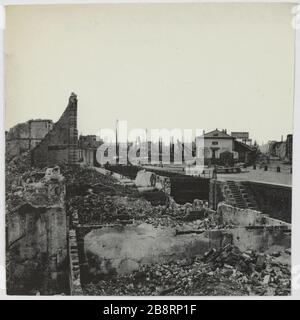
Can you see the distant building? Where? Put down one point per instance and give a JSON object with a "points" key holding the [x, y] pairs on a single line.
{"points": [[224, 149], [217, 142], [242, 136], [281, 150]]}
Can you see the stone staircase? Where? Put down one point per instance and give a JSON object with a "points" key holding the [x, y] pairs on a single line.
{"points": [[236, 195]]}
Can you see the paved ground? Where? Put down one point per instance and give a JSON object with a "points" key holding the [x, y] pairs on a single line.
{"points": [[259, 175], [271, 176]]}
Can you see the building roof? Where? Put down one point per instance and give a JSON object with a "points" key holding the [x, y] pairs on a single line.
{"points": [[217, 134]]}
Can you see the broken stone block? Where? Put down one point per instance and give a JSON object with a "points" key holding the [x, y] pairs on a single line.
{"points": [[53, 174]]}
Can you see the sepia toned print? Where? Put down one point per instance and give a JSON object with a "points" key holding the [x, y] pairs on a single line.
{"points": [[149, 149]]}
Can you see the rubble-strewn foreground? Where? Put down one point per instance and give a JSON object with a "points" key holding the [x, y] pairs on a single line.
{"points": [[186, 249], [128, 242], [73, 228], [226, 271], [223, 269]]}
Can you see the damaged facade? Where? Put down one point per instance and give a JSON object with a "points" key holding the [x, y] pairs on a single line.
{"points": [[282, 150], [36, 217], [36, 234], [60, 145]]}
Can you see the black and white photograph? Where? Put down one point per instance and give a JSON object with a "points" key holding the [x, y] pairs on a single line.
{"points": [[149, 149]]}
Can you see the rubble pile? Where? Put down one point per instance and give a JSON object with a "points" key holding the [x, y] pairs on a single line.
{"points": [[14, 168], [20, 174], [100, 208], [19, 189], [14, 196], [226, 271], [84, 176], [96, 198], [99, 199]]}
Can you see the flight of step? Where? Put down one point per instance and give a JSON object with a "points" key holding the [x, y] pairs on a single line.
{"points": [[237, 196]]}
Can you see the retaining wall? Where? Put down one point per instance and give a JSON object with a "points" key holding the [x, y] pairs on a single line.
{"points": [[60, 145]]}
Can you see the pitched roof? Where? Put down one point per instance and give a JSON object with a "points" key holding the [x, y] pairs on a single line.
{"points": [[217, 134]]}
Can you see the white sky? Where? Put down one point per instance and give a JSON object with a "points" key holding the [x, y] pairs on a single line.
{"points": [[155, 65]]}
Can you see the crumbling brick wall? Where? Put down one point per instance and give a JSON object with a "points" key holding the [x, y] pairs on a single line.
{"points": [[60, 145]]}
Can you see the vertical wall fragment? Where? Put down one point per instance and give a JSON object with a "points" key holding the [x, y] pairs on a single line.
{"points": [[60, 145]]}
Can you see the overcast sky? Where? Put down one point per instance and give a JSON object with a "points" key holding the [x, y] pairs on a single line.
{"points": [[155, 65]]}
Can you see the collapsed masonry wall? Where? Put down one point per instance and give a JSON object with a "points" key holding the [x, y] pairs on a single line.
{"points": [[37, 238], [123, 249], [271, 199], [118, 250], [247, 217], [254, 230], [237, 216], [60, 145]]}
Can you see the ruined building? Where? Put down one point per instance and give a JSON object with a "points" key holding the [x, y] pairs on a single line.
{"points": [[121, 230], [60, 145], [88, 146], [36, 216], [282, 150]]}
